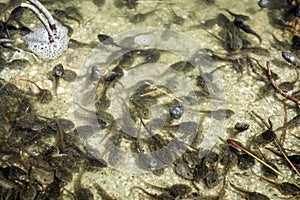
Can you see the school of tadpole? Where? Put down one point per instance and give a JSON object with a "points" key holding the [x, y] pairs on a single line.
{"points": [[257, 158]]}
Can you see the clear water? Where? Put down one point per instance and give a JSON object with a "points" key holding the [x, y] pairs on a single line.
{"points": [[238, 91]]}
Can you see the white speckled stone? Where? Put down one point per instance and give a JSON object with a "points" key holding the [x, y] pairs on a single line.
{"points": [[38, 42]]}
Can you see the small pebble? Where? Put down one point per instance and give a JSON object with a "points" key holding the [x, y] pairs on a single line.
{"points": [[142, 40], [263, 3], [176, 112], [290, 57], [96, 73]]}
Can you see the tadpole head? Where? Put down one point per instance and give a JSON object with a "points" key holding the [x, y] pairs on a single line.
{"points": [[58, 71], [16, 13]]}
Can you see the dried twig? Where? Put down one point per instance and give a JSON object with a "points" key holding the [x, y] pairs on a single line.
{"points": [[166, 93], [279, 145], [47, 14], [283, 135], [255, 70], [285, 156], [276, 87], [39, 16], [268, 125], [262, 162]]}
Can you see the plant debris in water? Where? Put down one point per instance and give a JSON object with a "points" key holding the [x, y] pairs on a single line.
{"points": [[43, 157]]}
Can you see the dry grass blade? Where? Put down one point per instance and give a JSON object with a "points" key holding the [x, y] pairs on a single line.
{"points": [[285, 156], [262, 162]]}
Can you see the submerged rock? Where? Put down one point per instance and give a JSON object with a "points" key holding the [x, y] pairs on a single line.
{"points": [[38, 42]]}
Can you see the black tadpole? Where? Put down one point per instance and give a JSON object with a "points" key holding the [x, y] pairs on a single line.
{"points": [[238, 17], [246, 28], [108, 40], [57, 72], [17, 12], [105, 39]]}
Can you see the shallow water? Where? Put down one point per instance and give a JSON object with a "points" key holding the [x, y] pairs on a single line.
{"points": [[238, 90]]}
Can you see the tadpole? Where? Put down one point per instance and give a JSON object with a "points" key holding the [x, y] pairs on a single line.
{"points": [[44, 95], [107, 40], [71, 13], [176, 190], [241, 126], [81, 192], [251, 195], [176, 18], [245, 161], [219, 114], [57, 72], [104, 195], [285, 188], [140, 17]]}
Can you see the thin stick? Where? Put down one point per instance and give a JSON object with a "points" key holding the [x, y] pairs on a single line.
{"points": [[173, 97], [30, 81], [3, 40], [262, 162], [39, 16], [276, 87], [254, 70], [146, 128], [285, 156], [60, 135], [282, 138], [261, 119], [278, 143], [46, 12]]}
